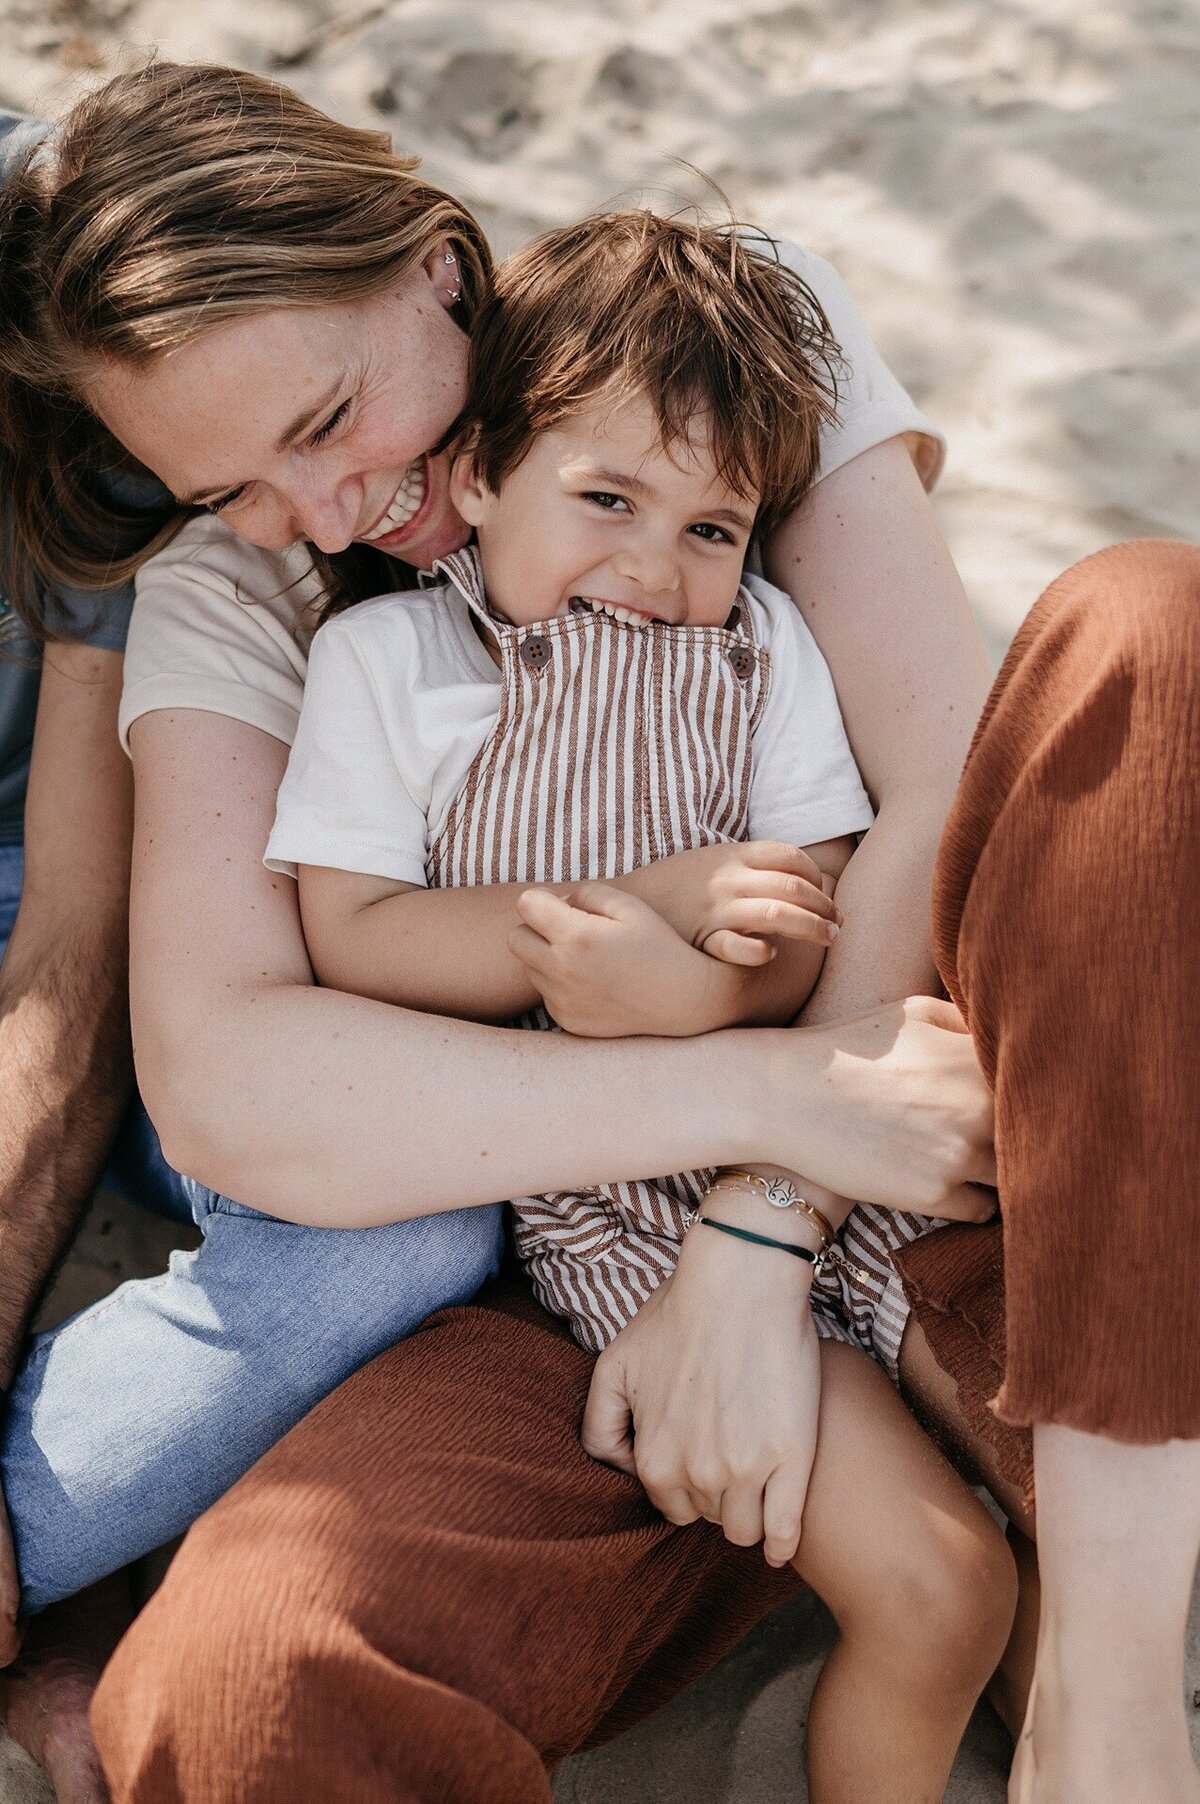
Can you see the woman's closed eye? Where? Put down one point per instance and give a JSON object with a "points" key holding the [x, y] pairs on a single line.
{"points": [[324, 431], [331, 424]]}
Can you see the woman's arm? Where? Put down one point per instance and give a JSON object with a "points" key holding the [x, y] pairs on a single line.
{"points": [[865, 563], [329, 1109]]}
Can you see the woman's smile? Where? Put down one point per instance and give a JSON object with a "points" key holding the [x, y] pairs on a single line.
{"points": [[308, 424]]}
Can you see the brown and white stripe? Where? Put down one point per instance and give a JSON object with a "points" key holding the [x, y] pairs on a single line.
{"points": [[615, 746]]}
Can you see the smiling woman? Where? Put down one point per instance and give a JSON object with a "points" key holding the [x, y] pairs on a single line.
{"points": [[351, 274], [428, 1589]]}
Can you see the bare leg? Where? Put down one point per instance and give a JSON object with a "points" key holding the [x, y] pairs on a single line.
{"points": [[1120, 1537], [931, 1394], [921, 1584], [46, 1694]]}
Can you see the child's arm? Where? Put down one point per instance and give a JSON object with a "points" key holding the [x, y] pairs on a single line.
{"points": [[607, 966], [448, 951]]}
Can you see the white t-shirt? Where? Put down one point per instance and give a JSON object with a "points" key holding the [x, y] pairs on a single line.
{"points": [[402, 694], [224, 627]]}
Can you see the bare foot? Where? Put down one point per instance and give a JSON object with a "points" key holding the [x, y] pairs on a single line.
{"points": [[46, 1694]]}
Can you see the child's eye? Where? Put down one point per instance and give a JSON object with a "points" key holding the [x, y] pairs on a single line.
{"points": [[711, 534], [332, 423], [610, 503]]}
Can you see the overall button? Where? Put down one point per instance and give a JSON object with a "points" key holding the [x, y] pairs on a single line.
{"points": [[741, 660], [535, 652]]}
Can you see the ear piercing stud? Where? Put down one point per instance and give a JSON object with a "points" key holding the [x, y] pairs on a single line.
{"points": [[450, 260]]}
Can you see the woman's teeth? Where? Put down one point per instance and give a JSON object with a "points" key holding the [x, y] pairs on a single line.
{"points": [[405, 503], [626, 616]]}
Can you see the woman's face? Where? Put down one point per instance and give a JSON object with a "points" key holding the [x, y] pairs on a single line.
{"points": [[310, 422]]}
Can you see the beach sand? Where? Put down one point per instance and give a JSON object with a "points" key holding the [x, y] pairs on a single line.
{"points": [[1009, 187]]}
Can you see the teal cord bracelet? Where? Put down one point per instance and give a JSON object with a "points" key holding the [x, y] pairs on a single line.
{"points": [[763, 1240]]}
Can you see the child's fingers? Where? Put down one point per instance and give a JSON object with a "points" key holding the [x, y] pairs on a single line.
{"points": [[780, 886], [738, 948], [547, 914], [530, 949], [758, 916], [774, 855], [783, 1513]]}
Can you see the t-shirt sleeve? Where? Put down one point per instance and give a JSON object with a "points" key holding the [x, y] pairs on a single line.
{"points": [[804, 784], [872, 404], [214, 627], [343, 801]]}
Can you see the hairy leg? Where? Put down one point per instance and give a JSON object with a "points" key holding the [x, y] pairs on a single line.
{"points": [[45, 1696], [921, 1584]]}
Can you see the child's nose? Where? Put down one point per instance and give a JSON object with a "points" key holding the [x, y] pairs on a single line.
{"points": [[651, 567]]}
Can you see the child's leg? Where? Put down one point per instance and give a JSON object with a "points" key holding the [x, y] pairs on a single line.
{"points": [[921, 1584], [128, 1421], [931, 1394]]}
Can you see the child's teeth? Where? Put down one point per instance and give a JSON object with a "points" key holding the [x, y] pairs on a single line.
{"points": [[625, 615]]}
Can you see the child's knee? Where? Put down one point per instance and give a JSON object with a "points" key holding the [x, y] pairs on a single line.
{"points": [[953, 1598]]}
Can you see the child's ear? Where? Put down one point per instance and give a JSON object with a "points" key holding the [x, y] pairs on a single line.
{"points": [[469, 493]]}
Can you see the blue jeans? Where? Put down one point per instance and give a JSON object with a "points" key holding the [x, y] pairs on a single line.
{"points": [[126, 1422]]}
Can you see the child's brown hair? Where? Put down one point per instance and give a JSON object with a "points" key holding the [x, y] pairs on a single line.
{"points": [[700, 318]]}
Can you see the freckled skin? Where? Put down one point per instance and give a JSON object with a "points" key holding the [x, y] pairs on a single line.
{"points": [[207, 418]]}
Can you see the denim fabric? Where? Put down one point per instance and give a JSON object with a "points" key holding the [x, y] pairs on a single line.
{"points": [[126, 1422]]}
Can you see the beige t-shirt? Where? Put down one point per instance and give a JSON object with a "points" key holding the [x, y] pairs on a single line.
{"points": [[221, 626]]}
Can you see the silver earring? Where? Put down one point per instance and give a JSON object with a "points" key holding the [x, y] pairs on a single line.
{"points": [[450, 260]]}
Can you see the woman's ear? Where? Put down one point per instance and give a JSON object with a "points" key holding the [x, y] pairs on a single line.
{"points": [[442, 268], [468, 491]]}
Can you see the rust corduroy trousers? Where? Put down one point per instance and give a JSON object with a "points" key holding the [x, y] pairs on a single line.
{"points": [[428, 1593]]}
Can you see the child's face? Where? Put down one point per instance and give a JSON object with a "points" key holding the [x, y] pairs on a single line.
{"points": [[600, 510]]}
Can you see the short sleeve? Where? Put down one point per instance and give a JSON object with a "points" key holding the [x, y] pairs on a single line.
{"points": [[343, 802], [872, 405], [220, 626], [804, 785]]}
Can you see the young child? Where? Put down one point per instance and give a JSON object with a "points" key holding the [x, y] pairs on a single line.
{"points": [[597, 766], [595, 688]]}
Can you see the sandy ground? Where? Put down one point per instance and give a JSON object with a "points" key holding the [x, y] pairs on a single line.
{"points": [[1009, 188]]}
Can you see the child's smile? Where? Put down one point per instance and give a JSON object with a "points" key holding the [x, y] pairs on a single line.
{"points": [[600, 511]]}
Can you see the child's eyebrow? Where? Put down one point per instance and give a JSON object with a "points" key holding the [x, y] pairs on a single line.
{"points": [[642, 491]]}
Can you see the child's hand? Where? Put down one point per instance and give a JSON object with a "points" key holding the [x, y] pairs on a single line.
{"points": [[730, 901], [607, 965]]}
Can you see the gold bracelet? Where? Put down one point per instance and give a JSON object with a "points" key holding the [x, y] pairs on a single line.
{"points": [[781, 1193]]}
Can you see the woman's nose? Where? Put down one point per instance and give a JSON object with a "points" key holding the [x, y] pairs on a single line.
{"points": [[326, 519]]}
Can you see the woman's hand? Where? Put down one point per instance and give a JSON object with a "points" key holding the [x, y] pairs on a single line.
{"points": [[710, 1395], [896, 1112]]}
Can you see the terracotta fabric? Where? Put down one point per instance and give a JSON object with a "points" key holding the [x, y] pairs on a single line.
{"points": [[1067, 929], [427, 1591]]}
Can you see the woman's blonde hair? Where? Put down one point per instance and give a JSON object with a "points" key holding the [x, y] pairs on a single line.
{"points": [[170, 201]]}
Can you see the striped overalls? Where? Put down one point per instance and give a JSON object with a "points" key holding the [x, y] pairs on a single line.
{"points": [[615, 746]]}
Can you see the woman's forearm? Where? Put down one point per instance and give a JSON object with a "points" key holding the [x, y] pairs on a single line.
{"points": [[883, 950], [367, 1113]]}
